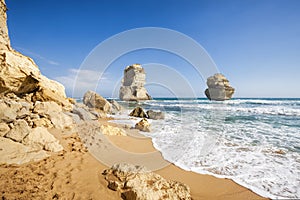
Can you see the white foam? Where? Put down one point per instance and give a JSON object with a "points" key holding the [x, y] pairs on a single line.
{"points": [[246, 150]]}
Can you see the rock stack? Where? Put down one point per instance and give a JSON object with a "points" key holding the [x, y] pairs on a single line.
{"points": [[132, 88], [219, 88]]}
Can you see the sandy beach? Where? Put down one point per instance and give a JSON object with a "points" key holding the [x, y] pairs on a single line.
{"points": [[76, 174]]}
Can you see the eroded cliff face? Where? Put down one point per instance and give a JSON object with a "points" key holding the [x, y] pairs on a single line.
{"points": [[132, 88], [4, 39], [21, 76], [219, 88]]}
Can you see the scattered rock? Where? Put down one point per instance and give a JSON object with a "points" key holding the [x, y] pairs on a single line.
{"points": [[111, 130], [94, 100], [137, 183], [132, 88], [4, 128], [143, 125], [138, 112], [39, 138], [6, 113], [155, 114], [218, 88], [19, 131]]}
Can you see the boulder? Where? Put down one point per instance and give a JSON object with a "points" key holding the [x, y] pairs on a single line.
{"points": [[138, 112], [155, 114], [219, 88], [94, 100], [39, 138], [143, 125], [132, 88], [137, 183], [18, 131], [111, 130]]}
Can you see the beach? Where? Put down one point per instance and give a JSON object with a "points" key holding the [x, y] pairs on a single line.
{"points": [[76, 174]]}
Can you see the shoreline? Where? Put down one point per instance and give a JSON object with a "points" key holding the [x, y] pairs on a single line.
{"points": [[203, 186]]}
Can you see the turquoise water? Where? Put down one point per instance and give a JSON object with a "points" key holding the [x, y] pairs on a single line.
{"points": [[255, 142]]}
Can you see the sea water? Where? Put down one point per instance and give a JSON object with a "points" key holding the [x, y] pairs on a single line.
{"points": [[255, 142]]}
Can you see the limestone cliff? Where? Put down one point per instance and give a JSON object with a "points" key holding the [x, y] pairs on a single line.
{"points": [[4, 39], [21, 76], [219, 88], [132, 88]]}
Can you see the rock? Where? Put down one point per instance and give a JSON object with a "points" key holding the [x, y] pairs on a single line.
{"points": [[94, 100], [143, 125], [132, 88], [111, 130], [115, 106], [39, 138], [19, 130], [6, 113], [17, 153], [138, 112], [155, 114], [42, 122], [53, 111], [137, 183], [4, 128], [83, 112], [218, 88]]}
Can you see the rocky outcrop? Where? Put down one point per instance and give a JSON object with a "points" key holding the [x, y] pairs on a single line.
{"points": [[138, 112], [137, 183], [143, 125], [219, 88], [155, 114], [132, 88], [94, 100]]}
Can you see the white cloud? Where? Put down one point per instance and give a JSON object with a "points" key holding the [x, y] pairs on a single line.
{"points": [[78, 81], [37, 56]]}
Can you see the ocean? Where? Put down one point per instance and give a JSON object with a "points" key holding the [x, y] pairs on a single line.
{"points": [[254, 142]]}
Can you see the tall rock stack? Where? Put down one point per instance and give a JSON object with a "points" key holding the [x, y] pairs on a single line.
{"points": [[219, 88], [132, 88]]}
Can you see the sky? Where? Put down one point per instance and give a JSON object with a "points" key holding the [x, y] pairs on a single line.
{"points": [[254, 43]]}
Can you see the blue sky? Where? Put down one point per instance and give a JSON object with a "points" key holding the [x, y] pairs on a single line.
{"points": [[254, 43]]}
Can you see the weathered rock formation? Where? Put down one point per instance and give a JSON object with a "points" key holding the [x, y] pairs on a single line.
{"points": [[143, 125], [218, 88], [132, 88], [137, 183]]}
